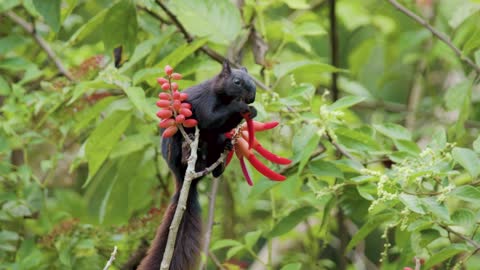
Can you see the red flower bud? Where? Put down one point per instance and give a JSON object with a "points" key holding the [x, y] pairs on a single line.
{"points": [[165, 123], [164, 96], [186, 105], [245, 172], [170, 131], [186, 112], [190, 123], [168, 70], [176, 105], [183, 96], [163, 103], [176, 94], [162, 80], [180, 119], [166, 86], [176, 76], [165, 113], [174, 86]]}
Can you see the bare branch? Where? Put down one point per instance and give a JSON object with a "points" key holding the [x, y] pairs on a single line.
{"points": [[41, 42], [112, 258], [182, 203], [211, 215], [445, 39]]}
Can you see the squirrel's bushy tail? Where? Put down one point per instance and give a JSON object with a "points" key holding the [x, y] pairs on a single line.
{"points": [[188, 243]]}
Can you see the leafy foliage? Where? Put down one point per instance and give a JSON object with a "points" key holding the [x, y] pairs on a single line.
{"points": [[386, 173]]}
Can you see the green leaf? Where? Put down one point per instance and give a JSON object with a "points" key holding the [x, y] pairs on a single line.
{"points": [[50, 11], [476, 145], [88, 115], [437, 209], [297, 4], [120, 27], [456, 95], [130, 145], [464, 217], [8, 4], [355, 139], [407, 146], [283, 69], [463, 12], [103, 139], [412, 202], [4, 87], [173, 59], [394, 131], [468, 159], [292, 266], [137, 96], [219, 20], [372, 224], [325, 168], [345, 102], [225, 243], [234, 250], [88, 28], [445, 254], [289, 222], [304, 144], [427, 236], [251, 238], [467, 193]]}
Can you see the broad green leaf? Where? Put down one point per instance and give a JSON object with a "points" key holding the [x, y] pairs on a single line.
{"points": [[456, 95], [130, 145], [233, 251], [225, 243], [50, 11], [412, 202], [394, 131], [462, 12], [292, 266], [283, 69], [445, 254], [427, 236], [468, 159], [8, 236], [372, 224], [11, 42], [88, 28], [103, 139], [137, 96], [297, 4], [304, 143], [4, 87], [354, 139], [289, 222], [8, 4], [464, 217], [324, 168], [120, 27], [251, 238], [407, 146], [437, 209], [467, 193], [219, 20], [345, 102], [476, 145], [88, 115]]}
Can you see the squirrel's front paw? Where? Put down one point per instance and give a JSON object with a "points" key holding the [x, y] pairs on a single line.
{"points": [[252, 111], [228, 145]]}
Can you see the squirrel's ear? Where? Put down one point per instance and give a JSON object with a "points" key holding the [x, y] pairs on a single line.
{"points": [[244, 69], [226, 70]]}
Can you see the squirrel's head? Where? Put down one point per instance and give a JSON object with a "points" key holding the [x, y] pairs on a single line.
{"points": [[237, 83]]}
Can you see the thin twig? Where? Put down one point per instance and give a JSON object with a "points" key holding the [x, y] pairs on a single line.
{"points": [[463, 237], [208, 51], [333, 48], [211, 167], [112, 258], [210, 220], [445, 39], [216, 261], [182, 203], [41, 42]]}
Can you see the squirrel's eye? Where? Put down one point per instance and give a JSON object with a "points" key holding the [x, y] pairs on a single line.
{"points": [[236, 81]]}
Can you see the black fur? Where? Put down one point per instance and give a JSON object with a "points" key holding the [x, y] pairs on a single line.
{"points": [[218, 105]]}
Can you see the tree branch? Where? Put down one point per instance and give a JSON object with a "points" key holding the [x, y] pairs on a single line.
{"points": [[445, 39], [333, 48], [205, 49], [463, 237], [211, 215], [41, 42], [112, 258]]}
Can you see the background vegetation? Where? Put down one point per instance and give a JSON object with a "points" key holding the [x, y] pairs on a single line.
{"points": [[380, 116]]}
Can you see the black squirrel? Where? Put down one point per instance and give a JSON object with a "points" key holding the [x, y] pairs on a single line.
{"points": [[218, 105]]}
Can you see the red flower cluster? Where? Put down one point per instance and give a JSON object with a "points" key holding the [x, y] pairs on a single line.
{"points": [[246, 141], [174, 110]]}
